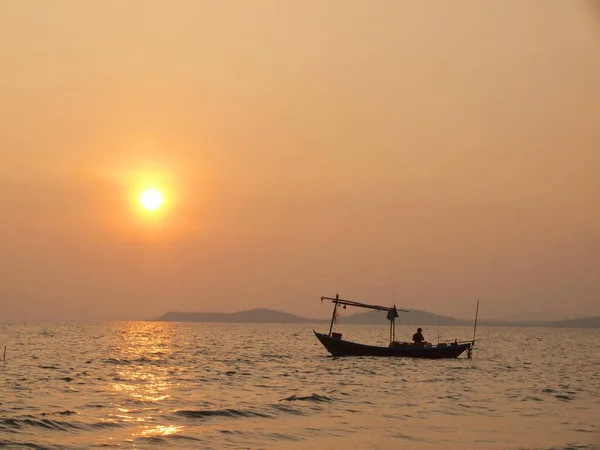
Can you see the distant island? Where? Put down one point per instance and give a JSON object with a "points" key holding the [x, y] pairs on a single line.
{"points": [[415, 317], [258, 315]]}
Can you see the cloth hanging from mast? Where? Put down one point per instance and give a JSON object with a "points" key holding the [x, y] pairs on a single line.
{"points": [[336, 315], [392, 313]]}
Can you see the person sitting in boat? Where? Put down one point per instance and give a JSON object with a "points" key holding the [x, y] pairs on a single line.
{"points": [[418, 337]]}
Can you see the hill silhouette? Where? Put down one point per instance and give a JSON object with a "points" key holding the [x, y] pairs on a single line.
{"points": [[584, 322], [258, 315], [414, 317]]}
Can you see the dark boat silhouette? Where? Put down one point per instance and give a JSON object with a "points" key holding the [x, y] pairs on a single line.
{"points": [[335, 345]]}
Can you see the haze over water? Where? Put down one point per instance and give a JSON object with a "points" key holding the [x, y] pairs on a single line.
{"points": [[430, 153], [173, 385]]}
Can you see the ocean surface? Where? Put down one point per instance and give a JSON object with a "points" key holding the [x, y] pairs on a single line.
{"points": [[243, 386]]}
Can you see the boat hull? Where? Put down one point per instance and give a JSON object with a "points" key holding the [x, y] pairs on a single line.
{"points": [[339, 347]]}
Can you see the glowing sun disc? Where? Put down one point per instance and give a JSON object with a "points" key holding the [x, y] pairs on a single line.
{"points": [[151, 199]]}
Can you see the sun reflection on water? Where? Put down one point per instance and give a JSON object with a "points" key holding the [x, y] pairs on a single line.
{"points": [[146, 387], [141, 355], [161, 430]]}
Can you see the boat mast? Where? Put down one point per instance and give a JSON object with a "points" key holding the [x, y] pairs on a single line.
{"points": [[391, 316], [475, 325], [470, 351], [335, 305]]}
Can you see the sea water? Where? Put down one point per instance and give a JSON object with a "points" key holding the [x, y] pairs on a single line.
{"points": [[241, 386]]}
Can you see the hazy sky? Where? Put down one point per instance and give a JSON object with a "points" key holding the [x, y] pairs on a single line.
{"points": [[434, 152]]}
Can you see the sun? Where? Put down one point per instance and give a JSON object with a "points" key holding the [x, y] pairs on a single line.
{"points": [[151, 199]]}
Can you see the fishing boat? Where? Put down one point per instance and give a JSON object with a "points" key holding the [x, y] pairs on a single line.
{"points": [[337, 346]]}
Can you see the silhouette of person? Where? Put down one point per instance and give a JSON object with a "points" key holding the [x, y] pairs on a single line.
{"points": [[418, 337]]}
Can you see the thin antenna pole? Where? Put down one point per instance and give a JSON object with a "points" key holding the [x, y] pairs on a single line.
{"points": [[470, 350], [475, 325], [438, 332]]}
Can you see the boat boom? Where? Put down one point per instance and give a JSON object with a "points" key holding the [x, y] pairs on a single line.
{"points": [[340, 301]]}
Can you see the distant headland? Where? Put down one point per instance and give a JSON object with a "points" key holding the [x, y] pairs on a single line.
{"points": [[261, 315]]}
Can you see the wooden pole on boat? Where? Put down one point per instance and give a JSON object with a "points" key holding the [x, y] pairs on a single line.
{"points": [[475, 325], [4, 356], [391, 316], [335, 305], [474, 331]]}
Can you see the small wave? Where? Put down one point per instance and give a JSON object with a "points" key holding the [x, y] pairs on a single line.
{"points": [[182, 437], [151, 440], [15, 444], [573, 447], [433, 380], [287, 409], [282, 437], [143, 359], [121, 362], [275, 356], [106, 424], [531, 398], [60, 413], [449, 397], [201, 413], [309, 398], [140, 360], [20, 424], [563, 397]]}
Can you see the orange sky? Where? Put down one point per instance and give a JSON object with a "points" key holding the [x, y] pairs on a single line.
{"points": [[444, 151]]}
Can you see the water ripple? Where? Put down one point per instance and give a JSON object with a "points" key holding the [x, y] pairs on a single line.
{"points": [[160, 385]]}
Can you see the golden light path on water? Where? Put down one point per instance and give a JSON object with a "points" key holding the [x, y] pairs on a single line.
{"points": [[146, 383]]}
